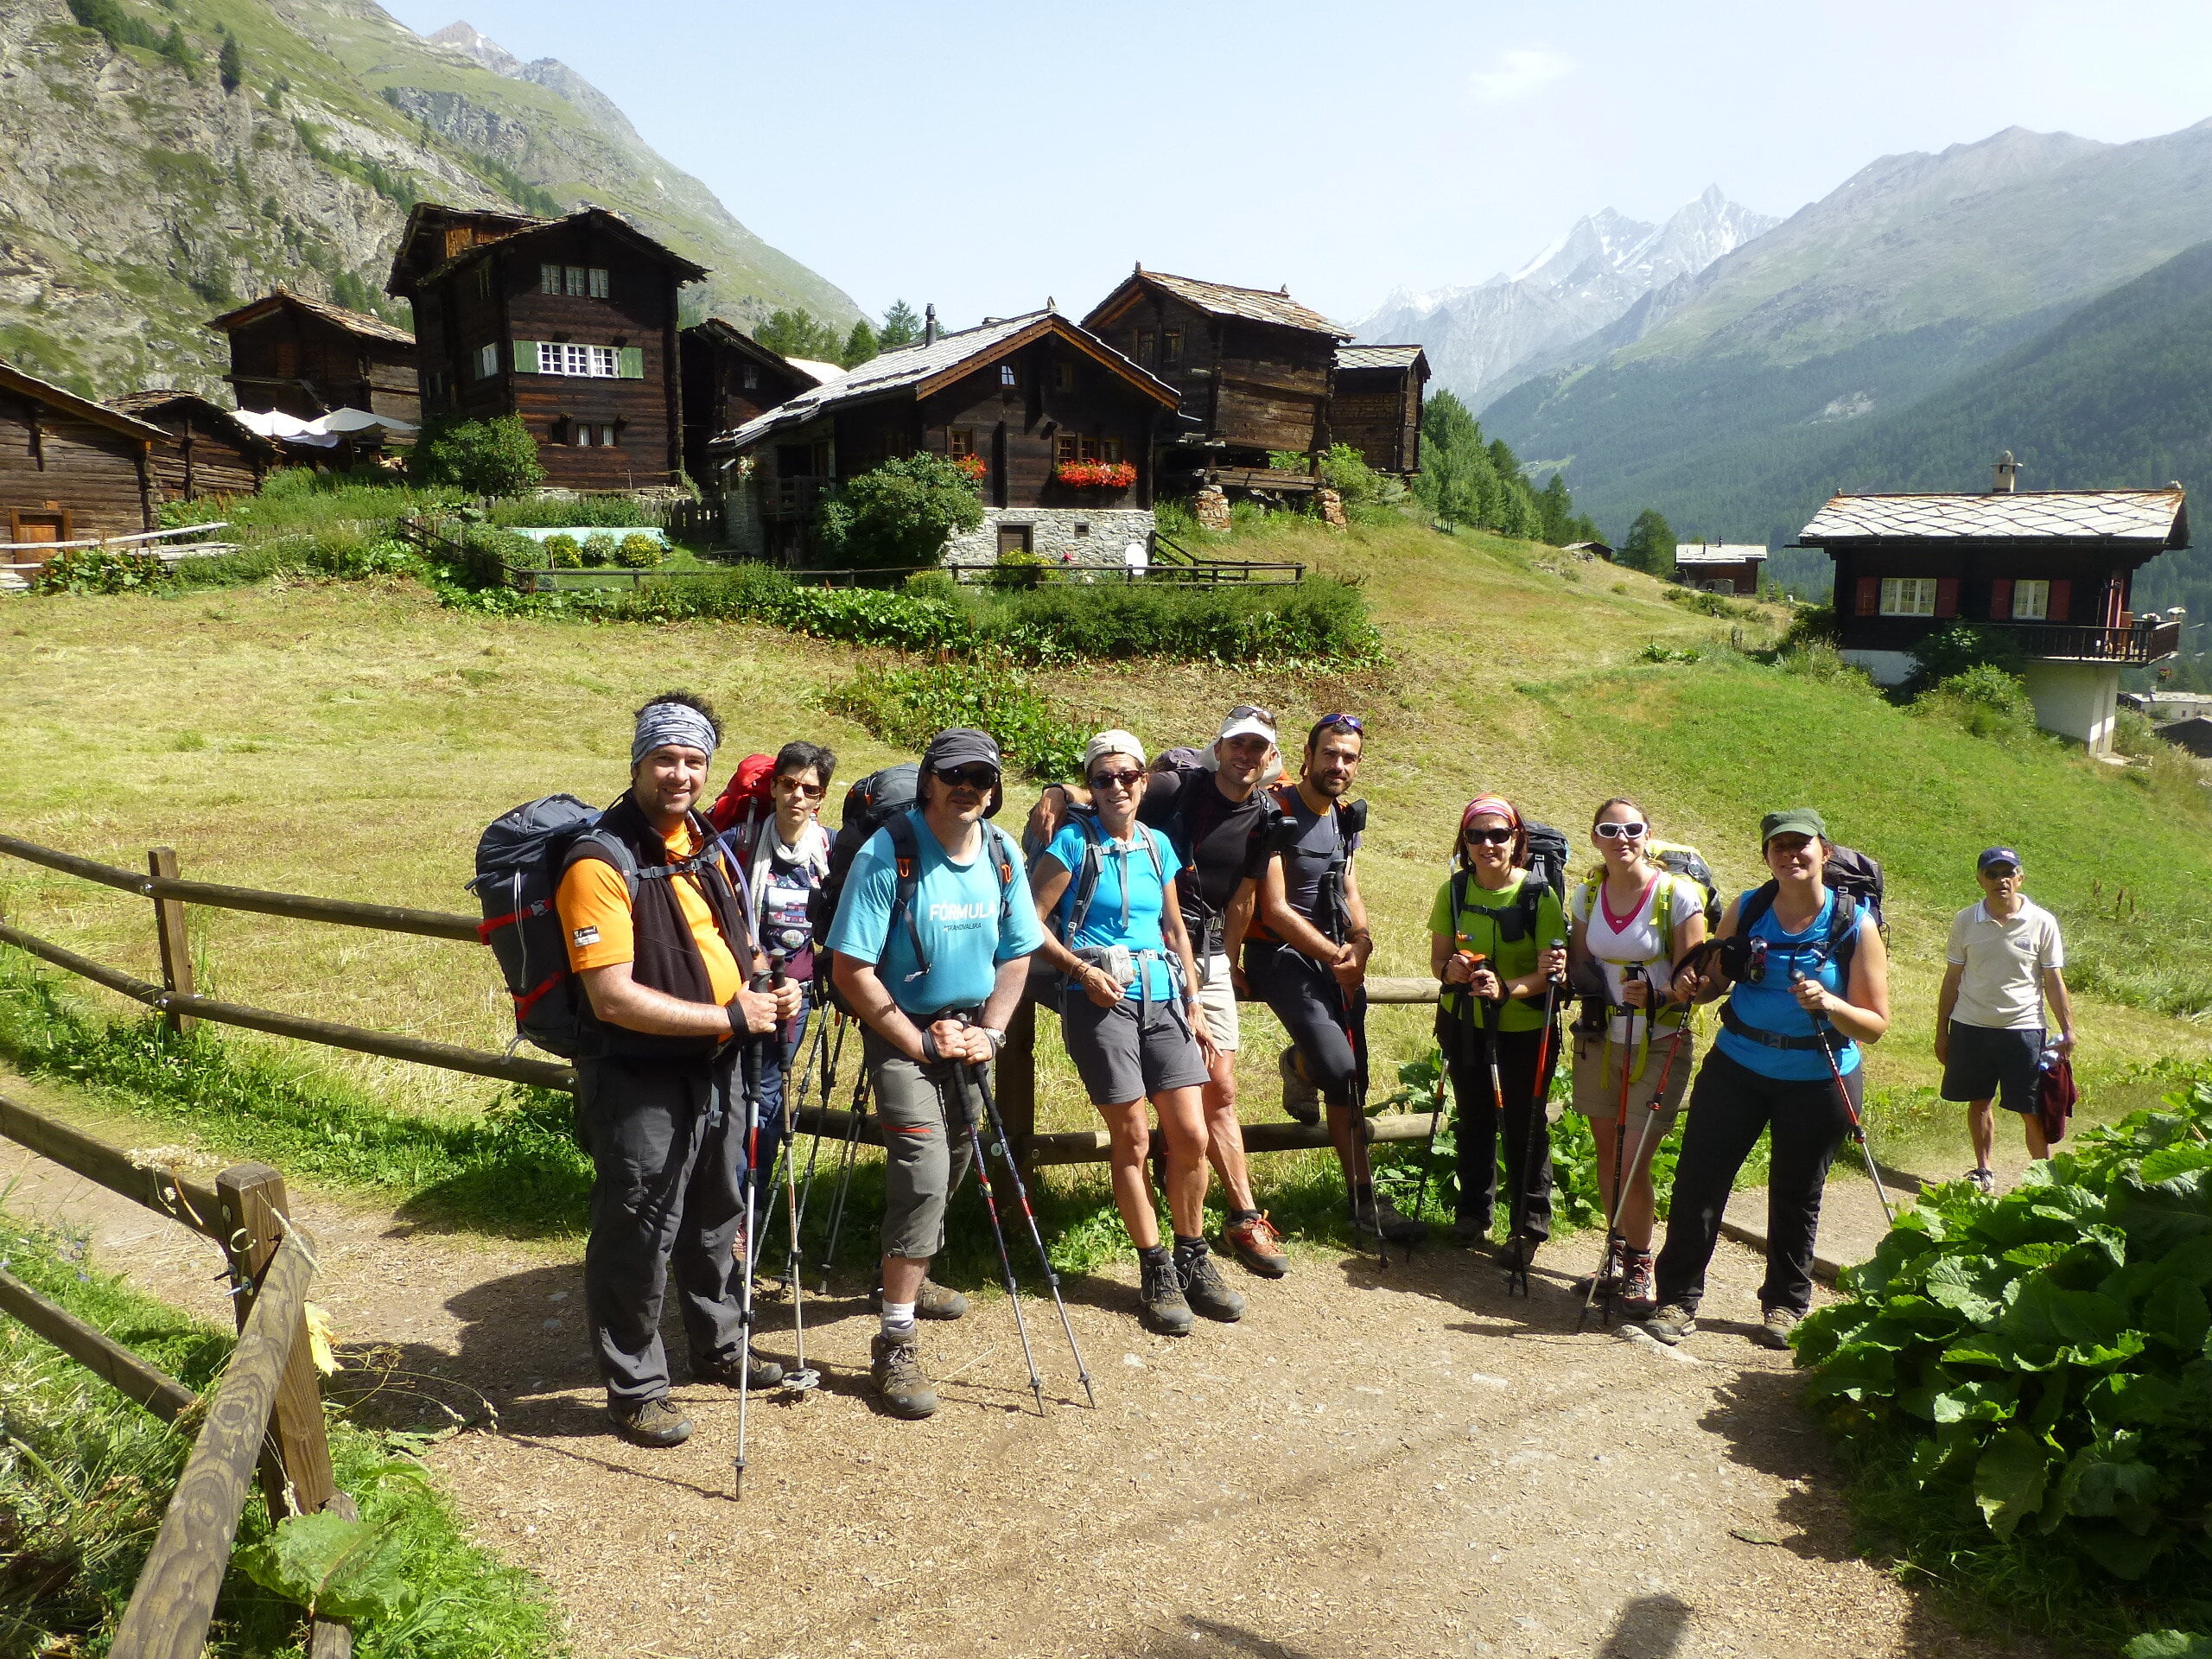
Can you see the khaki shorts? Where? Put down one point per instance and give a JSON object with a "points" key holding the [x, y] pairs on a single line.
{"points": [[1218, 1001], [1598, 1076]]}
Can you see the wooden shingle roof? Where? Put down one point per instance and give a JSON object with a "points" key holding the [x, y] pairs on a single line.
{"points": [[2155, 517], [1254, 304], [149, 405], [13, 379], [356, 323]]}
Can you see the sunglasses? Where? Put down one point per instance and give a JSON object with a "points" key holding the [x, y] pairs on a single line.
{"points": [[1251, 711], [975, 777], [1350, 721], [2001, 870], [1114, 779], [812, 792], [1622, 831], [1497, 837]]}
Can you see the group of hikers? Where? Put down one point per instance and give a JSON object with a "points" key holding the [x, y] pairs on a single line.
{"points": [[1141, 902]]}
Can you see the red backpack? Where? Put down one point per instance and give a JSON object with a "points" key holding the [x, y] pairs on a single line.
{"points": [[744, 804]]}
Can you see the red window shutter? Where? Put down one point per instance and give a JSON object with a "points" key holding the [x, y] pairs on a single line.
{"points": [[1947, 596], [2000, 599], [1870, 596], [2062, 591]]}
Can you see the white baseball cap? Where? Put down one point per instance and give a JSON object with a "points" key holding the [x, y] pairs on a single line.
{"points": [[1246, 720], [1112, 742]]}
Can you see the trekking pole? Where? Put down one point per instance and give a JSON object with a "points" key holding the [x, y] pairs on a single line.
{"points": [[1858, 1129], [822, 1063], [981, 1077], [1536, 1136], [998, 1233], [849, 1155], [749, 1071], [1621, 1175], [801, 1379], [1364, 1172], [792, 1090], [1620, 1150], [1435, 1122]]}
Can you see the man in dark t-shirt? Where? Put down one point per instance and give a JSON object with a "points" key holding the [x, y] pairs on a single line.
{"points": [[1215, 816]]}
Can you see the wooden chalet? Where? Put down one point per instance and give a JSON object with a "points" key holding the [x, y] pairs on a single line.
{"points": [[70, 468], [1719, 567], [1252, 368], [1057, 426], [305, 357], [1375, 405], [2052, 568], [569, 323], [729, 378], [208, 451]]}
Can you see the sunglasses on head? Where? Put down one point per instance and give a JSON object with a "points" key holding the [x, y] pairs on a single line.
{"points": [[978, 776], [1127, 780], [1251, 711], [1350, 722], [1622, 831], [1495, 838]]}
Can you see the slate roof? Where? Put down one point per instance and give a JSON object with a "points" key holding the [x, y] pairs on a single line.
{"points": [[144, 405], [353, 322], [1377, 357], [2156, 517], [1259, 304], [1717, 552], [912, 365]]}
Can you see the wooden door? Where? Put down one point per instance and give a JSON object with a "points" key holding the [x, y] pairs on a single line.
{"points": [[1014, 538], [33, 528]]}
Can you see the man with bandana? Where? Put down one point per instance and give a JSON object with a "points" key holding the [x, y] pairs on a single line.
{"points": [[658, 935]]}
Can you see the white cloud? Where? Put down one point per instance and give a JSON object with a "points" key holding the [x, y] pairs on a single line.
{"points": [[1518, 72]]}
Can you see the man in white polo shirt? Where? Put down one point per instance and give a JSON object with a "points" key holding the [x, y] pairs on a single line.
{"points": [[2005, 959]]}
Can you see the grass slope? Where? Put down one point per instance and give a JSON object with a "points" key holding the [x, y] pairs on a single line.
{"points": [[351, 739]]}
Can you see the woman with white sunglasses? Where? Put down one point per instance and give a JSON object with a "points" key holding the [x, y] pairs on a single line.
{"points": [[1632, 922]]}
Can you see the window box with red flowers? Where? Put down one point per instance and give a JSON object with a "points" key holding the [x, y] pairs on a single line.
{"points": [[1096, 474], [972, 466]]}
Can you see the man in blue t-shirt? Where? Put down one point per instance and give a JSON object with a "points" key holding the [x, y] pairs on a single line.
{"points": [[935, 986]]}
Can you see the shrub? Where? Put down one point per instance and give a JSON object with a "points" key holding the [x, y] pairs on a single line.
{"points": [[1813, 625], [598, 550], [900, 513], [1820, 661], [1954, 650], [638, 552], [1172, 517], [562, 552], [486, 458], [568, 511], [909, 706], [1984, 699], [2030, 1372], [2136, 734], [97, 571], [490, 556], [1015, 571], [933, 584]]}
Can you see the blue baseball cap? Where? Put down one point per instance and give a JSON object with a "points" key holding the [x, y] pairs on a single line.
{"points": [[1992, 856]]}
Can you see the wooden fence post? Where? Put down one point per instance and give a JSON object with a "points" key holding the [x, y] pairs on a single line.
{"points": [[177, 945], [252, 1196], [1016, 1083]]}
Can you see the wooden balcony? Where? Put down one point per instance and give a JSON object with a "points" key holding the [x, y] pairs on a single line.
{"points": [[2148, 639]]}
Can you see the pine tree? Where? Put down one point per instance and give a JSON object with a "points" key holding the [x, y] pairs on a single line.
{"points": [[231, 64], [1650, 544], [859, 345], [797, 334], [178, 51], [901, 326], [1556, 510]]}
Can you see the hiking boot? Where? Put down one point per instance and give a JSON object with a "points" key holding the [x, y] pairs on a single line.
{"points": [[1775, 1328], [1161, 1302], [657, 1423], [1254, 1241], [1671, 1324], [1607, 1278], [764, 1373], [1636, 1291], [1518, 1254], [895, 1364], [1203, 1289], [932, 1301], [1395, 1228], [1470, 1228], [1299, 1099], [1984, 1180]]}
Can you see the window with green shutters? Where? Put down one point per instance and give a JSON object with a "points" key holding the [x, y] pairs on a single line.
{"points": [[581, 361], [525, 356], [630, 363]]}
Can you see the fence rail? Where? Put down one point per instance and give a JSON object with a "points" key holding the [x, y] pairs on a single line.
{"points": [[176, 999]]}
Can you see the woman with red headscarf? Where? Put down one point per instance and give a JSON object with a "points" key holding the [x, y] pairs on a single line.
{"points": [[1492, 932]]}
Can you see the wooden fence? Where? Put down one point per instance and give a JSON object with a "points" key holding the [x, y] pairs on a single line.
{"points": [[267, 1411], [181, 1006]]}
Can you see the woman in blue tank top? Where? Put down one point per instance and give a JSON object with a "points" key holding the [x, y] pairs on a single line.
{"points": [[1804, 970]]}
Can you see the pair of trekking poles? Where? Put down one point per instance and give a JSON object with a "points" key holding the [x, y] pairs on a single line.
{"points": [[1520, 1246]]}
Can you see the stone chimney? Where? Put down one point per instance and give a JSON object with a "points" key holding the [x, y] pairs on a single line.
{"points": [[2008, 474], [928, 331]]}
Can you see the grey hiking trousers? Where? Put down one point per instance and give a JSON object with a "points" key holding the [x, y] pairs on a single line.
{"points": [[667, 1145]]}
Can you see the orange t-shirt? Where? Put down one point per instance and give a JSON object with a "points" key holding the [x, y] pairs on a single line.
{"points": [[594, 904]]}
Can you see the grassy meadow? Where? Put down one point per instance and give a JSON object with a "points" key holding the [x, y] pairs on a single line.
{"points": [[352, 738]]}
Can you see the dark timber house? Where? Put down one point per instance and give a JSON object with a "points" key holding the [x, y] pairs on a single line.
{"points": [[307, 357], [1375, 405], [1057, 427], [728, 378], [69, 469], [1719, 567], [207, 452], [2052, 568], [1252, 368], [569, 323]]}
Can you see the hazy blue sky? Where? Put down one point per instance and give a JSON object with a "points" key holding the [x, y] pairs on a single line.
{"points": [[985, 155]]}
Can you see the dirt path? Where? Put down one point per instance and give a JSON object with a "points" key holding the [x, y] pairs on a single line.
{"points": [[1369, 1463]]}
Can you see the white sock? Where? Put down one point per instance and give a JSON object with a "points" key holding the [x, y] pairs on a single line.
{"points": [[898, 1319]]}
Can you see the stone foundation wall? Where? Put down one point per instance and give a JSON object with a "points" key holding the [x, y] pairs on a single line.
{"points": [[1093, 535]]}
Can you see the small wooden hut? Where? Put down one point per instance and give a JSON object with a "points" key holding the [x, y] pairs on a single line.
{"points": [[304, 358], [208, 452], [1375, 405], [729, 378], [70, 468]]}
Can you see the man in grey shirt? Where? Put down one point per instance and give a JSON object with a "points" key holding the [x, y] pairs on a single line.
{"points": [[2003, 961]]}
